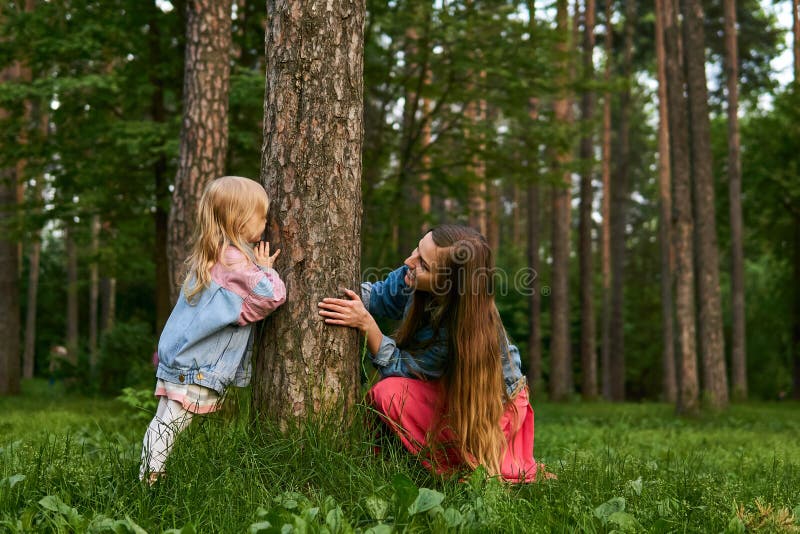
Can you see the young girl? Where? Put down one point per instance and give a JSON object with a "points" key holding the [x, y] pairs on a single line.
{"points": [[451, 385], [205, 345]]}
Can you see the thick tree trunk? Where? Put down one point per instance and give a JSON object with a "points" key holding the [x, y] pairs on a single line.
{"points": [[29, 354], [738, 354], [605, 234], [311, 167], [94, 291], [669, 380], [682, 221], [9, 284], [204, 131], [619, 212], [559, 310], [588, 329], [161, 215], [72, 295], [712, 341]]}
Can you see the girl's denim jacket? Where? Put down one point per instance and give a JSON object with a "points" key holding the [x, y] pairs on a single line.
{"points": [[207, 342], [391, 298]]}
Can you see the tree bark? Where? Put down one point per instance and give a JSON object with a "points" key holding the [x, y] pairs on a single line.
{"points": [[534, 233], [108, 303], [29, 353], [72, 295], [712, 341], [559, 310], [796, 41], [619, 212], [605, 235], [588, 329], [669, 380], [204, 131], [682, 220], [311, 167], [738, 347], [94, 292], [795, 348]]}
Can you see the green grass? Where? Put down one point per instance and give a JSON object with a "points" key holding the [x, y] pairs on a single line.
{"points": [[70, 464]]}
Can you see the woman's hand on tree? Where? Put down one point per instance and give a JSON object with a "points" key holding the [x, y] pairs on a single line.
{"points": [[346, 312]]}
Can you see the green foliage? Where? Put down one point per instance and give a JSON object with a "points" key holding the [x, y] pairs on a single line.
{"points": [[125, 357]]}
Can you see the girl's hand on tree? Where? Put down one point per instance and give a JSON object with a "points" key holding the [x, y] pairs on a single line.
{"points": [[261, 252], [346, 312]]}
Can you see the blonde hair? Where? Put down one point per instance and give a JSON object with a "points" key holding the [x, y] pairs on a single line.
{"points": [[226, 206], [462, 302]]}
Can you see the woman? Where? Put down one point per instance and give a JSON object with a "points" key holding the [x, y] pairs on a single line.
{"points": [[451, 382]]}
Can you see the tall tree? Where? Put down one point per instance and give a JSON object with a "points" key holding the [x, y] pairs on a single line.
{"points": [[669, 379], [712, 341], [559, 310], [605, 210], [204, 131], [682, 220], [94, 290], [619, 209], [796, 40], [72, 312], [588, 341], [311, 167], [738, 347], [534, 233]]}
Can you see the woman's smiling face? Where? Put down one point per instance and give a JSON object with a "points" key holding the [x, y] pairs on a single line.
{"points": [[421, 264]]}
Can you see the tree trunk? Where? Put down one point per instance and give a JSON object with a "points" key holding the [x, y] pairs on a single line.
{"points": [[29, 354], [619, 212], [796, 41], [94, 292], [559, 310], [605, 324], [795, 348], [161, 215], [108, 303], [712, 341], [72, 295], [738, 355], [588, 335], [204, 131], [534, 233], [669, 380], [311, 167], [682, 221]]}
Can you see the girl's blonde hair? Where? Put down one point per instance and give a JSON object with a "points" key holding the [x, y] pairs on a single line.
{"points": [[226, 206], [462, 302]]}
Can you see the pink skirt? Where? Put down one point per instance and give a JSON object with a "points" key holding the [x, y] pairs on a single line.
{"points": [[409, 407]]}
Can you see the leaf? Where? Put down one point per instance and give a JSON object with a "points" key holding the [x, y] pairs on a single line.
{"points": [[379, 529], [604, 511], [336, 522], [735, 526], [623, 520], [426, 500], [13, 480], [452, 517], [635, 485], [376, 507], [405, 491], [262, 527]]}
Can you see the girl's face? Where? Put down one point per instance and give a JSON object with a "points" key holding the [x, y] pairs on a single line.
{"points": [[254, 227], [421, 264]]}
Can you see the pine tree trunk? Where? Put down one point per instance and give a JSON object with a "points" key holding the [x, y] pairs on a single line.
{"points": [[619, 212], [534, 233], [795, 348], [94, 292], [669, 380], [796, 41], [605, 234], [712, 341], [204, 131], [588, 329], [72, 295], [682, 220], [738, 347], [311, 167], [29, 354], [559, 310], [108, 303]]}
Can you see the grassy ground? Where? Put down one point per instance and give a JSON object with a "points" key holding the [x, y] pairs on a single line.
{"points": [[70, 464]]}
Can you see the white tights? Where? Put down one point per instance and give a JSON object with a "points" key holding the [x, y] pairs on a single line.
{"points": [[170, 420]]}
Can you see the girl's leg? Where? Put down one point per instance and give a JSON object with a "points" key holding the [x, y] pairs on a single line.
{"points": [[170, 420]]}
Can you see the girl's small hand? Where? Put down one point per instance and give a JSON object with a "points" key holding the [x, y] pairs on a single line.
{"points": [[346, 312], [261, 252]]}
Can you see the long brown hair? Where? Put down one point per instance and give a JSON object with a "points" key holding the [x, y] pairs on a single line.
{"points": [[224, 209], [462, 302]]}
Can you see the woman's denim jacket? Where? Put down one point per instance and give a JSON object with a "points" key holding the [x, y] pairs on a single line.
{"points": [[207, 342], [391, 298]]}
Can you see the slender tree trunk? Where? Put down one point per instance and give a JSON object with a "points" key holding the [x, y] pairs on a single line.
{"points": [[588, 329], [559, 310], [738, 354], [619, 212], [669, 380], [605, 324], [313, 135], [29, 354], [682, 221], [534, 233], [712, 341], [796, 41], [204, 131], [795, 349], [72, 295], [476, 116], [161, 215], [94, 292], [108, 303]]}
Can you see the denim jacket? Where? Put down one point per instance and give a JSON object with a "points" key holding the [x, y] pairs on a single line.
{"points": [[391, 298], [208, 342]]}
